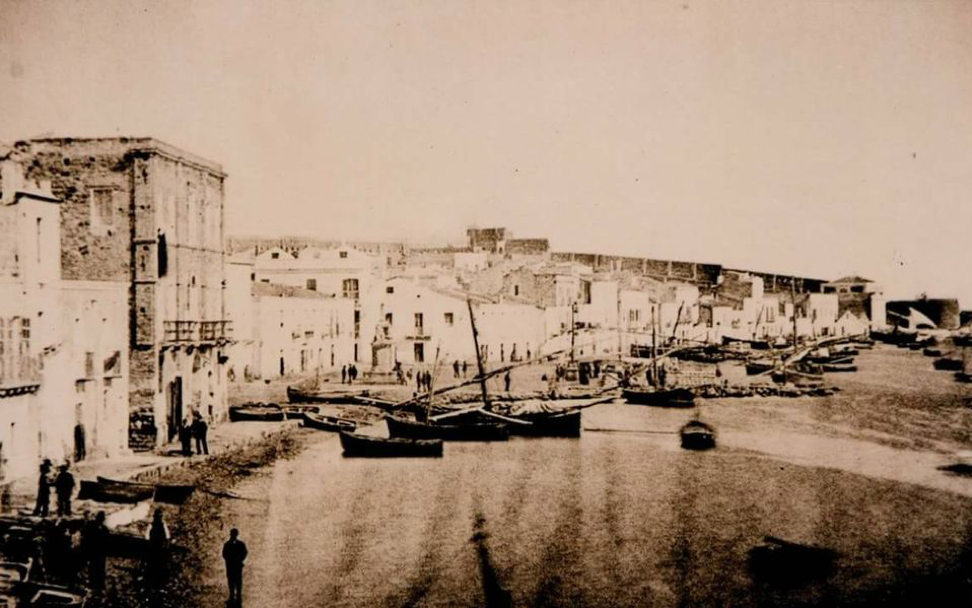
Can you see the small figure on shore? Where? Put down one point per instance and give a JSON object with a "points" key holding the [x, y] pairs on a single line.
{"points": [[428, 381], [200, 431], [64, 486], [344, 374], [419, 377], [506, 381], [43, 506], [185, 436], [465, 368], [158, 537], [455, 368], [80, 448], [234, 553], [94, 540]]}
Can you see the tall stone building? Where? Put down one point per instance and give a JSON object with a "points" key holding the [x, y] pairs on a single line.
{"points": [[149, 214]]}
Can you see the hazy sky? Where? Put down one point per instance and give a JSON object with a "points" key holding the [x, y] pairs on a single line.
{"points": [[821, 138]]}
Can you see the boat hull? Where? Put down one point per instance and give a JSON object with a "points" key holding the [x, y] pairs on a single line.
{"points": [[337, 397], [260, 414], [111, 490], [328, 423], [679, 397], [381, 447], [697, 436], [398, 427]]}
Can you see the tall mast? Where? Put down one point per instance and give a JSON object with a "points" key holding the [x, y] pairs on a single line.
{"points": [[573, 326], [435, 369], [654, 347], [793, 299], [479, 356]]}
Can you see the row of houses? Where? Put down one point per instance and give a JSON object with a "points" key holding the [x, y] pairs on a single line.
{"points": [[315, 310]]}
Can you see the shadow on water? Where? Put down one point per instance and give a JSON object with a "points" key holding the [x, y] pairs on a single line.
{"points": [[495, 595]]}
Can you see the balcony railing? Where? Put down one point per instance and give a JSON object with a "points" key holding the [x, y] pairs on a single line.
{"points": [[198, 331], [19, 373]]}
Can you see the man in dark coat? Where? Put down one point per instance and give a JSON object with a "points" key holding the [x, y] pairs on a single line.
{"points": [[455, 369], [43, 505], [185, 436], [234, 553], [64, 486], [465, 368], [200, 430], [94, 540], [344, 374], [506, 381]]}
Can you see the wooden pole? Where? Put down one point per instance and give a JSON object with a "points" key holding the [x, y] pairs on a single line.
{"points": [[479, 356]]}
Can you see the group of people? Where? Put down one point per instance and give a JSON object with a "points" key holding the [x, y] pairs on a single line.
{"points": [[349, 373], [458, 368], [198, 429], [63, 484], [423, 381]]}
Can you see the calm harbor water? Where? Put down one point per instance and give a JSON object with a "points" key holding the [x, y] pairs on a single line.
{"points": [[625, 518]]}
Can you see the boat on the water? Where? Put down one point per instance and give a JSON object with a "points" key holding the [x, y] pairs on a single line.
{"points": [[831, 368], [354, 444], [788, 562], [269, 412], [113, 490], [328, 423], [756, 367], [296, 412], [672, 397], [951, 364], [340, 396], [462, 431], [697, 435]]}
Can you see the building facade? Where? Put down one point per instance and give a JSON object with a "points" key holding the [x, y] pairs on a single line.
{"points": [[147, 214]]}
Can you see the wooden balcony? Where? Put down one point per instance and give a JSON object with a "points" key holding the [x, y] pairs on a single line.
{"points": [[198, 332], [19, 375]]}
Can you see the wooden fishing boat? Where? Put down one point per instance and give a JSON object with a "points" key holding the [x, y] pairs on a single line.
{"points": [[296, 412], [785, 561], [112, 490], [385, 447], [341, 396], [759, 366], [831, 368], [14, 572], [932, 352], [673, 397], [461, 431], [172, 494], [697, 435], [256, 412], [328, 423], [542, 424], [48, 596], [950, 364]]}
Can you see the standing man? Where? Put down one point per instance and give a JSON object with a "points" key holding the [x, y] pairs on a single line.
{"points": [[43, 506], [465, 368], [185, 437], [200, 431], [506, 381], [64, 486], [455, 369], [234, 552], [94, 540], [344, 374]]}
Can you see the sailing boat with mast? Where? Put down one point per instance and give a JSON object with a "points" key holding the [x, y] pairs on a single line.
{"points": [[657, 394], [428, 428]]}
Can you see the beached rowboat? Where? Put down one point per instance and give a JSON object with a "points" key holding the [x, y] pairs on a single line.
{"points": [[382, 447], [471, 431], [328, 423]]}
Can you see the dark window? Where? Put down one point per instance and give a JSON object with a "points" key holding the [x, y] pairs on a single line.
{"points": [[449, 319], [388, 318], [343, 254], [389, 289], [312, 284], [419, 321], [275, 256], [419, 352]]}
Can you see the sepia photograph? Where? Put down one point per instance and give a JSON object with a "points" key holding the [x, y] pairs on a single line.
{"points": [[485, 303]]}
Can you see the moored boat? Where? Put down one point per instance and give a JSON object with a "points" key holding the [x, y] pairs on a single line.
{"points": [[786, 561], [468, 431], [256, 412], [296, 412], [839, 367], [388, 447], [759, 366], [697, 435], [328, 423], [112, 490], [951, 364], [345, 396], [674, 397]]}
